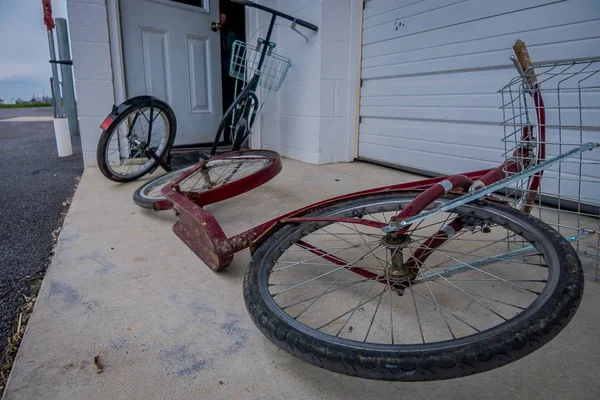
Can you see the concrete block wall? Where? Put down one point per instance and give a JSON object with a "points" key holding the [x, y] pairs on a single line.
{"points": [[88, 28], [309, 120], [306, 120], [335, 51]]}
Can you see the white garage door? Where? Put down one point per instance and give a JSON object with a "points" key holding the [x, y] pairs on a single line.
{"points": [[431, 71]]}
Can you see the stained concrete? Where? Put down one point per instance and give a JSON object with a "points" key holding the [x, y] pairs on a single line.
{"points": [[123, 287]]}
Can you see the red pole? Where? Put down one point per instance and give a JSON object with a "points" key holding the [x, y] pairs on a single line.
{"points": [[56, 96], [48, 20]]}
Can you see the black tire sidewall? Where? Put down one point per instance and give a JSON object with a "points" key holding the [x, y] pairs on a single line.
{"points": [[145, 202], [106, 134]]}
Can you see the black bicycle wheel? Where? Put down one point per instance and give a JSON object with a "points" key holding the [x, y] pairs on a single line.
{"points": [[121, 153], [149, 192], [502, 286]]}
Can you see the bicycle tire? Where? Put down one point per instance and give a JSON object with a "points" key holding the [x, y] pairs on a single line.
{"points": [[138, 105], [149, 192], [228, 175], [526, 332]]}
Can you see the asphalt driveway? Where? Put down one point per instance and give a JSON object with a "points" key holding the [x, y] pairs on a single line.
{"points": [[35, 185]]}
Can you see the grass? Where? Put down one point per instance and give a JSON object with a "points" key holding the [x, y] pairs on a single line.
{"points": [[26, 105]]}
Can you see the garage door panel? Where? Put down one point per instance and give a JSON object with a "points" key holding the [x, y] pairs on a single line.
{"points": [[433, 148], [460, 114], [429, 90], [438, 18], [576, 49], [527, 20], [404, 10], [450, 64], [429, 131], [436, 163], [545, 34], [490, 100], [487, 81], [375, 8]]}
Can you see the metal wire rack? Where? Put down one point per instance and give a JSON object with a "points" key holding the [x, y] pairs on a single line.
{"points": [[569, 195], [245, 59]]}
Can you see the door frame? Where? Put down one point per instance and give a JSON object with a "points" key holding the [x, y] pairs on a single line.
{"points": [[116, 51], [252, 24], [354, 79]]}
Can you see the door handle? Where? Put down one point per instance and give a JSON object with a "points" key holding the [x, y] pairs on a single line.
{"points": [[215, 26]]}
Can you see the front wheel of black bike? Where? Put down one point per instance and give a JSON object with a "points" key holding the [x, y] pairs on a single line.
{"points": [[147, 126]]}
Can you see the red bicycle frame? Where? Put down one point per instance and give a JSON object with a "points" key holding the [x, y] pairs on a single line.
{"points": [[201, 232]]}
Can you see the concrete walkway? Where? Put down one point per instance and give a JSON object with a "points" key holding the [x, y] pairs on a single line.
{"points": [[123, 287]]}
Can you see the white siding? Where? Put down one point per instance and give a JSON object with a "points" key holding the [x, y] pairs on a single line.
{"points": [[307, 119], [431, 71]]}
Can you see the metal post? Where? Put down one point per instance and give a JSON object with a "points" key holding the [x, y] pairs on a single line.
{"points": [[66, 73], [49, 22], [57, 99], [54, 110]]}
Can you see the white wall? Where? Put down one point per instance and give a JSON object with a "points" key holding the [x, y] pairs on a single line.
{"points": [[308, 118], [88, 28]]}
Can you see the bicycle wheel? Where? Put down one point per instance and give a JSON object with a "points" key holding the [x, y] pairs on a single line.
{"points": [[121, 153], [149, 192], [328, 292], [227, 176]]}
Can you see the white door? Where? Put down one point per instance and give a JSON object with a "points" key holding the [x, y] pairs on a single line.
{"points": [[170, 52]]}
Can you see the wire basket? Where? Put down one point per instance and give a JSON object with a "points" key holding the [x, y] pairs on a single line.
{"points": [[245, 59], [569, 195]]}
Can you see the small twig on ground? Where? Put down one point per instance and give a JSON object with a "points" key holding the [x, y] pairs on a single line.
{"points": [[97, 365]]}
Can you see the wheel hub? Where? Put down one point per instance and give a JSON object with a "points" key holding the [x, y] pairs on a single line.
{"points": [[397, 271]]}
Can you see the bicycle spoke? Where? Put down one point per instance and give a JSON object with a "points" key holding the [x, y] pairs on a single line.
{"points": [[387, 277], [347, 312], [326, 273], [358, 305], [321, 295], [314, 258], [329, 292], [481, 295], [373, 318], [484, 272], [439, 308], [447, 312], [416, 311], [364, 240]]}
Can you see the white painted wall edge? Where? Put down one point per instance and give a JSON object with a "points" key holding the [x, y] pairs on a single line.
{"points": [[63, 138], [252, 24], [356, 11], [116, 50]]}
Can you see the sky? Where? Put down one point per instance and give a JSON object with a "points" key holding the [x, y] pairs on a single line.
{"points": [[24, 53]]}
